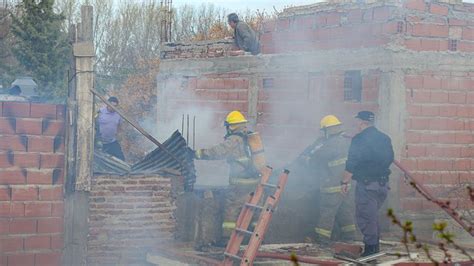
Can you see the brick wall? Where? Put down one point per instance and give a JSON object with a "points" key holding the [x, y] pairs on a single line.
{"points": [[334, 27], [203, 49], [128, 216], [31, 183], [439, 137]]}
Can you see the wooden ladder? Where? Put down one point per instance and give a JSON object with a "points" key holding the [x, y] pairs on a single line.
{"points": [[231, 253]]}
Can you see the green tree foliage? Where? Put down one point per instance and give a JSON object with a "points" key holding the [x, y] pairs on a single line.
{"points": [[41, 46]]}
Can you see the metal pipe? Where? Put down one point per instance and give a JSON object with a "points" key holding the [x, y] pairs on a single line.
{"points": [[187, 129], [194, 132], [182, 125], [304, 259]]}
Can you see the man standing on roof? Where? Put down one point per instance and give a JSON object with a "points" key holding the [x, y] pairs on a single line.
{"points": [[368, 163], [327, 158], [243, 175], [244, 37], [108, 122]]}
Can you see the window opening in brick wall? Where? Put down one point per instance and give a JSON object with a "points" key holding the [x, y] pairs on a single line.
{"points": [[400, 27], [352, 86], [267, 83], [453, 45]]}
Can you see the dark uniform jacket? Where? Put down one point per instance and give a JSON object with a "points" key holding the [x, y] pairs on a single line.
{"points": [[246, 39], [236, 151], [370, 155]]}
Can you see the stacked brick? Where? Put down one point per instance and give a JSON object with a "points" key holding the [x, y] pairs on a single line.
{"points": [[439, 139], [329, 26], [31, 183], [438, 26], [203, 49], [129, 216]]}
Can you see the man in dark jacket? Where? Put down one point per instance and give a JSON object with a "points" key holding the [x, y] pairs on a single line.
{"points": [[245, 38], [368, 162]]}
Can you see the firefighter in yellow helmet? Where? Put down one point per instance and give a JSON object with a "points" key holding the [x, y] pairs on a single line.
{"points": [[243, 175], [327, 157]]}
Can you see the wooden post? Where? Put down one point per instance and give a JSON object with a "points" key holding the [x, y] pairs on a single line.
{"points": [[84, 61]]}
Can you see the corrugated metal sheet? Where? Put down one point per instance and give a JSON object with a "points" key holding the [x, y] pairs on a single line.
{"points": [[154, 163]]}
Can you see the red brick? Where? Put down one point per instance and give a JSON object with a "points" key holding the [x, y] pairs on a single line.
{"points": [[43, 177], [333, 19], [37, 209], [14, 143], [428, 110], [419, 123], [61, 112], [414, 110], [464, 138], [4, 227], [50, 225], [6, 160], [9, 177], [26, 160], [28, 126], [430, 45], [11, 244], [57, 242], [43, 110], [5, 193], [462, 165], [465, 46], [439, 124], [421, 96], [457, 97], [456, 22], [413, 137], [449, 179], [269, 26], [16, 109], [52, 161], [413, 44], [57, 209], [430, 82], [416, 151], [414, 82], [450, 83], [468, 34], [37, 242], [53, 127], [48, 259], [51, 193], [467, 152], [409, 164], [40, 144], [23, 226], [470, 97], [354, 16], [439, 9], [7, 125], [446, 138], [24, 193], [439, 97], [21, 259], [447, 111]]}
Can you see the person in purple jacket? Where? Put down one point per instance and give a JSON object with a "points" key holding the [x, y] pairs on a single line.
{"points": [[109, 121]]}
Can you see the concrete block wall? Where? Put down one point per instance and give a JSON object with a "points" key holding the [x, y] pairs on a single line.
{"points": [[31, 183], [129, 216]]}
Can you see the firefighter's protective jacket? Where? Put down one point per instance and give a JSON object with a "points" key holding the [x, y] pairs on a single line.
{"points": [[235, 150]]}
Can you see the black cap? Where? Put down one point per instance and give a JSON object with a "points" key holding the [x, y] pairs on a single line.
{"points": [[366, 116], [113, 100]]}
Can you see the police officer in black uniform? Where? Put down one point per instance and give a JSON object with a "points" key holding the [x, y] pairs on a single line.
{"points": [[368, 162]]}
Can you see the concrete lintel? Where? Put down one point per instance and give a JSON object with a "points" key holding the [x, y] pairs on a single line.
{"points": [[84, 49], [363, 59]]}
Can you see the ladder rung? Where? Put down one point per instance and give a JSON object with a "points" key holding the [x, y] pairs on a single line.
{"points": [[235, 257], [243, 231], [253, 206], [269, 185]]}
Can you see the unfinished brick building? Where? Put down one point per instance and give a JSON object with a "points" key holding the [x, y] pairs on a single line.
{"points": [[411, 62]]}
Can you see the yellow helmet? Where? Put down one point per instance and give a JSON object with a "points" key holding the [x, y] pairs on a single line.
{"points": [[235, 117], [329, 121]]}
